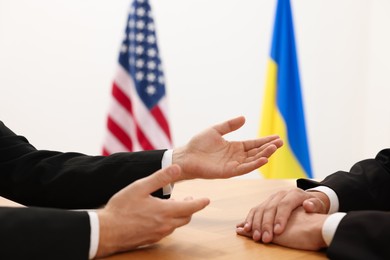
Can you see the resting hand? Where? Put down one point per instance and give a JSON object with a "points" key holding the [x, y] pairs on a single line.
{"points": [[208, 155], [132, 217], [271, 216], [303, 231]]}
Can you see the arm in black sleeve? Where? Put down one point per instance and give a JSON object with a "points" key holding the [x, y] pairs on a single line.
{"points": [[362, 235], [37, 233], [365, 187], [67, 180]]}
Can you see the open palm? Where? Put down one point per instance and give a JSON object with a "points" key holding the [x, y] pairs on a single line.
{"points": [[208, 155]]}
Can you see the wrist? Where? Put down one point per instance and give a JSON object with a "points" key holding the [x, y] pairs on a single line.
{"points": [[107, 245], [178, 158], [319, 230]]}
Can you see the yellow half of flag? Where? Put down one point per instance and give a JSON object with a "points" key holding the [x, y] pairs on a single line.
{"points": [[282, 112]]}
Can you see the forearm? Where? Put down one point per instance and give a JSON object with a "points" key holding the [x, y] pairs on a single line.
{"points": [[45, 178], [362, 235], [70, 180], [37, 233], [364, 187]]}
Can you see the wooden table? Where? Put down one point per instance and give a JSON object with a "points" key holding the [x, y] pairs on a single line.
{"points": [[211, 232]]}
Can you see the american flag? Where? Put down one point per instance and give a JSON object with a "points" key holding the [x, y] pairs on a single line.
{"points": [[137, 119]]}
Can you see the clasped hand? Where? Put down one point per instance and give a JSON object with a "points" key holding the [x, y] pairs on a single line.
{"points": [[291, 218]]}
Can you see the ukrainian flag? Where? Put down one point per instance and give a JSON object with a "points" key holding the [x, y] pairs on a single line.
{"points": [[282, 112]]}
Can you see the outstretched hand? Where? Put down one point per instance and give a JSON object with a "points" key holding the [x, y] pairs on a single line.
{"points": [[132, 217], [208, 155]]}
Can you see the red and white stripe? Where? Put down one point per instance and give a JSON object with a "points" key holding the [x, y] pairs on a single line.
{"points": [[131, 126]]}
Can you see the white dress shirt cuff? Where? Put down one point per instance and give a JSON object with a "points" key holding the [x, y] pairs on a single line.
{"points": [[94, 222], [93, 217], [330, 225], [333, 199], [166, 161]]}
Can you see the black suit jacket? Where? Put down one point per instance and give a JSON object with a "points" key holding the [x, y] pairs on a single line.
{"points": [[364, 193], [49, 182]]}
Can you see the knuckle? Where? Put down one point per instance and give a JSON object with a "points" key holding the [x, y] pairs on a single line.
{"points": [[284, 203], [187, 220], [297, 193], [269, 208], [281, 193], [165, 230], [266, 226]]}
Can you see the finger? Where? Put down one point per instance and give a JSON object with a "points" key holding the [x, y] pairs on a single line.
{"points": [[260, 142], [314, 205], [249, 219], [170, 225], [230, 125], [241, 224], [155, 181], [260, 157], [178, 222], [243, 168], [255, 154], [262, 151], [256, 228], [269, 214], [277, 142], [292, 200], [269, 149], [186, 208], [242, 232]]}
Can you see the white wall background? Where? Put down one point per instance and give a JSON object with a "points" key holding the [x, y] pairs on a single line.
{"points": [[58, 57]]}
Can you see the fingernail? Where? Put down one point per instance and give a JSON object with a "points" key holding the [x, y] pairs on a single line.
{"points": [[247, 227], [256, 235], [266, 237]]}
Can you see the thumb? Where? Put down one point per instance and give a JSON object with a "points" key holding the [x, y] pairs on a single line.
{"points": [[157, 180], [230, 125], [314, 205]]}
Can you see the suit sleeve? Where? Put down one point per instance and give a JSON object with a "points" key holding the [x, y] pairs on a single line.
{"points": [[67, 180], [364, 187], [362, 235], [37, 233], [363, 193], [50, 181]]}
